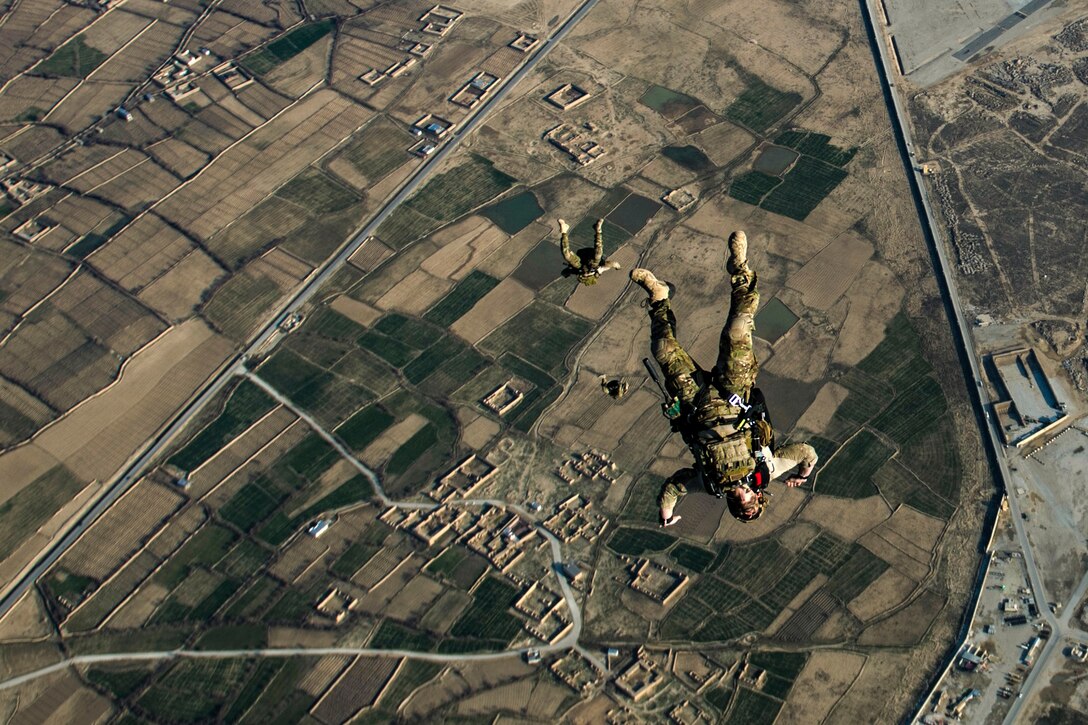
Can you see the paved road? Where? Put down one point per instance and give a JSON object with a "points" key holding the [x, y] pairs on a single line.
{"points": [[55, 550], [961, 334]]}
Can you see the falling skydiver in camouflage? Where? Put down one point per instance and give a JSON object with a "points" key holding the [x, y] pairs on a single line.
{"points": [[720, 414], [587, 264]]}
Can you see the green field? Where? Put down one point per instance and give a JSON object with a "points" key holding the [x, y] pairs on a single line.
{"points": [[350, 492], [263, 673], [753, 562], [641, 504], [827, 552], [206, 547], [912, 412], [378, 149], [635, 542], [32, 506], [816, 145], [487, 617], [236, 306], [750, 617], [760, 106], [307, 460], [933, 457], [368, 370], [409, 678], [352, 560], [391, 635], [753, 186], [244, 560], [287, 47], [447, 563], [900, 344], [457, 191], [541, 334], [441, 352], [408, 330], [363, 428], [803, 188], [461, 298], [250, 506], [850, 472], [859, 571], [245, 406], [786, 665], [404, 226], [693, 557], [718, 595], [317, 193], [796, 578], [193, 690], [514, 213], [412, 450], [685, 618], [454, 373], [331, 399], [120, 683], [392, 350], [753, 708], [74, 59]]}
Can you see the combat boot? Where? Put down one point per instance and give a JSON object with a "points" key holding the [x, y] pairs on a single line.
{"points": [[658, 290], [738, 253]]}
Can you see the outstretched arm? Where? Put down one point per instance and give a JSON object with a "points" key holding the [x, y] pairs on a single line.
{"points": [[564, 246], [674, 489]]}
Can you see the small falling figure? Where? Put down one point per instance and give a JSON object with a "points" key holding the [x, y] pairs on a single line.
{"points": [[587, 264], [614, 388]]}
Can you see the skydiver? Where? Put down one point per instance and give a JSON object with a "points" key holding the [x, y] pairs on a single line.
{"points": [[720, 414], [587, 264]]}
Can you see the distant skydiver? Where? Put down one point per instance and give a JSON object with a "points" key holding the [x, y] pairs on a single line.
{"points": [[720, 414], [587, 264]]}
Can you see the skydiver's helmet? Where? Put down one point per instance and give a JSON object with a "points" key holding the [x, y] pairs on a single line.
{"points": [[744, 507]]}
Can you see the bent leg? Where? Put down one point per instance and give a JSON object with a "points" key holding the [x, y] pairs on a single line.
{"points": [[598, 244], [675, 363], [737, 365], [564, 246]]}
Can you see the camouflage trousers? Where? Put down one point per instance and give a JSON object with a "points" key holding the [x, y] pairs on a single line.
{"points": [[585, 264], [736, 366]]}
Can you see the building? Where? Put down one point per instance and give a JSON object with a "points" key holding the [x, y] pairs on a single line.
{"points": [[577, 145], [524, 42], [504, 398], [659, 583], [679, 199], [971, 658], [641, 679], [432, 126], [318, 528], [474, 91], [567, 96]]}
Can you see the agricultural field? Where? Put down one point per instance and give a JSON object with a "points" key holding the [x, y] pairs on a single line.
{"points": [[451, 342]]}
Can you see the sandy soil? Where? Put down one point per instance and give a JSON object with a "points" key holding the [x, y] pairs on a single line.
{"points": [[907, 626], [889, 590], [415, 293], [594, 301], [828, 275], [354, 310], [819, 414], [96, 437], [479, 433], [26, 620], [21, 466], [464, 245], [874, 299], [826, 677], [177, 292], [850, 521], [496, 307], [378, 452]]}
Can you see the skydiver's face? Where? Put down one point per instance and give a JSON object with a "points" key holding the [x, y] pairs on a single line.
{"points": [[746, 503]]}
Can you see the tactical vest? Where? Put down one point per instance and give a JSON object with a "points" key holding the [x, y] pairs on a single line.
{"points": [[723, 438]]}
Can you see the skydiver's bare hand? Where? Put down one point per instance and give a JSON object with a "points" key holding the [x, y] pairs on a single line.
{"points": [[795, 481]]}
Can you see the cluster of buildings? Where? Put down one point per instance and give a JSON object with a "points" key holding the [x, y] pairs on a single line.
{"points": [[656, 581], [435, 22], [575, 143], [575, 518], [474, 91], [575, 672], [176, 78], [592, 465], [549, 619], [233, 76], [463, 479], [679, 199], [641, 678]]}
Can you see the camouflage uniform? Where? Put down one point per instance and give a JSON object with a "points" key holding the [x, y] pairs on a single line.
{"points": [[711, 403], [587, 265]]}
